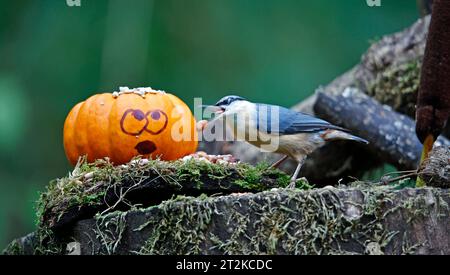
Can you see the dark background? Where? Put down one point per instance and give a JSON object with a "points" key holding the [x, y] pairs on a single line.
{"points": [[53, 56]]}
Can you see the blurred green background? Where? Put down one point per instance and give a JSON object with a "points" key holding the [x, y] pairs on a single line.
{"points": [[53, 56]]}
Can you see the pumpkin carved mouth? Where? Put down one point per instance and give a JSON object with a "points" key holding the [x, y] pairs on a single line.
{"points": [[146, 147]]}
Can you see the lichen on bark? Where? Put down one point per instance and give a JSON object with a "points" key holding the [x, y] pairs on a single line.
{"points": [[397, 87]]}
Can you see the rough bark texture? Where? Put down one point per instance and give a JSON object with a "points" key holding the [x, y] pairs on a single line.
{"points": [[356, 220], [390, 134], [433, 102], [390, 53], [436, 169]]}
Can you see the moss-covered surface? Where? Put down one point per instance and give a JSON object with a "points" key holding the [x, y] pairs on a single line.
{"points": [[14, 248], [360, 219], [41, 242], [101, 187], [397, 86], [317, 222]]}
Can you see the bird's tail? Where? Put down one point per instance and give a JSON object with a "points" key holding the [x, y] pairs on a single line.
{"points": [[330, 135]]}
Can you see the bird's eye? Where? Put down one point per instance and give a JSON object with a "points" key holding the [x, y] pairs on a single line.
{"points": [[133, 122], [158, 121]]}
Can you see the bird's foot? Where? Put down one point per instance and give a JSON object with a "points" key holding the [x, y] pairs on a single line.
{"points": [[293, 183]]}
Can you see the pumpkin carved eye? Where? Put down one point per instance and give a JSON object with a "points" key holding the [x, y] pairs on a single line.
{"points": [[158, 121], [133, 122]]}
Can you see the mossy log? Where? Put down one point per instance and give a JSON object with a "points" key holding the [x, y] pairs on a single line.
{"points": [[101, 187], [193, 206], [391, 135], [388, 71], [345, 220]]}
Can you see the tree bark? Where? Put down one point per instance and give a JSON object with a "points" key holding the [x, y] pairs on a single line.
{"points": [[435, 171]]}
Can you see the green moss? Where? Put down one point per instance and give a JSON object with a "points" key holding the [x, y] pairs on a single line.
{"points": [[109, 230], [251, 177], [14, 248], [179, 229], [47, 243], [41, 242], [193, 170], [291, 222], [271, 222], [309, 221], [86, 185], [397, 87], [89, 184]]}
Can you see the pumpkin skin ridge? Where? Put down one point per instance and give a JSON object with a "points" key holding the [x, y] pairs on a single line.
{"points": [[81, 125], [112, 117], [147, 108], [69, 134], [76, 133], [109, 147], [165, 143], [98, 126], [159, 139], [191, 145], [180, 151], [89, 122]]}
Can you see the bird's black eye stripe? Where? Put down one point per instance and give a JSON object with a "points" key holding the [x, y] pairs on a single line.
{"points": [[228, 100]]}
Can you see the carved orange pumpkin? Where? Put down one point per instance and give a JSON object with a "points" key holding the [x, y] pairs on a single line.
{"points": [[130, 123]]}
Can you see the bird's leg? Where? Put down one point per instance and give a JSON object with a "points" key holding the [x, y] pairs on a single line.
{"points": [[295, 175], [280, 161]]}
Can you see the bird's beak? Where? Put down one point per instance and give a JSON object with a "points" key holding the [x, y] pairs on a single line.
{"points": [[215, 109]]}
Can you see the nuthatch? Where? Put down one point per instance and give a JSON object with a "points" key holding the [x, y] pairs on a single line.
{"points": [[297, 134]]}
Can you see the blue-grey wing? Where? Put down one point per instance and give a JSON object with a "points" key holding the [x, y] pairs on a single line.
{"points": [[279, 120]]}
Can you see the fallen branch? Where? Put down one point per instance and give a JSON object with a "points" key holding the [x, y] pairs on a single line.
{"points": [[391, 135]]}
